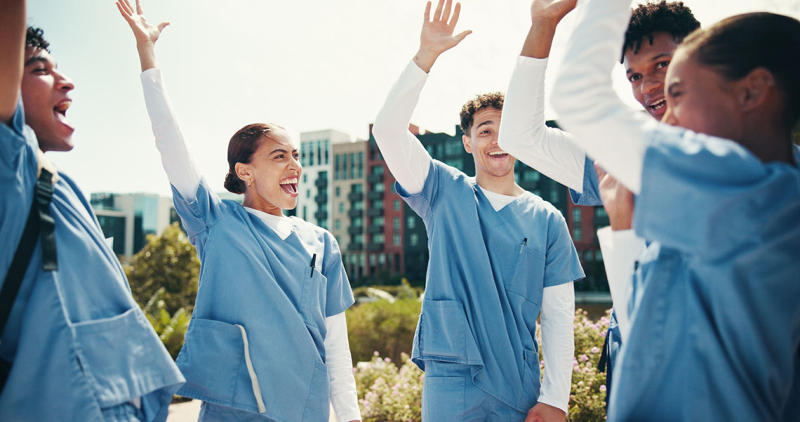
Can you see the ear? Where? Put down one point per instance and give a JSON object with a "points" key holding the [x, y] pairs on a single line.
{"points": [[755, 88], [467, 143], [245, 172]]}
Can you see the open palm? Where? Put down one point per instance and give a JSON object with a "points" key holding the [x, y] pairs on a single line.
{"points": [[142, 30], [552, 9], [437, 31]]}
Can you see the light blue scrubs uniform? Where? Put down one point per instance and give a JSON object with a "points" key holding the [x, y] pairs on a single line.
{"points": [[715, 316], [486, 274], [591, 198], [81, 347], [255, 345]]}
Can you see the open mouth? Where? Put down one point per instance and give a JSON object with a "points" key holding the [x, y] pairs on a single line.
{"points": [[289, 185], [60, 111], [658, 104], [498, 154]]}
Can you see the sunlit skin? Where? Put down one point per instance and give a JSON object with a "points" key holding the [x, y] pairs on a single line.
{"points": [[647, 69], [275, 161], [45, 97], [494, 168]]}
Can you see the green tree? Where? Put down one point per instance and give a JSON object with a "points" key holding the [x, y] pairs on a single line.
{"points": [[170, 262]]}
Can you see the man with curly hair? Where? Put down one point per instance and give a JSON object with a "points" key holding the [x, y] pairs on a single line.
{"points": [[499, 256], [654, 32], [75, 345]]}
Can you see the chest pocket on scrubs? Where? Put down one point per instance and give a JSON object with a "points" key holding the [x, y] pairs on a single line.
{"points": [[528, 276], [313, 299]]}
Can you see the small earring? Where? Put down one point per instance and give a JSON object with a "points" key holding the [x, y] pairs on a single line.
{"points": [[249, 183]]}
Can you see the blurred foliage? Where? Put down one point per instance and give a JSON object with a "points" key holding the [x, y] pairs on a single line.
{"points": [[171, 329], [389, 394], [167, 262]]}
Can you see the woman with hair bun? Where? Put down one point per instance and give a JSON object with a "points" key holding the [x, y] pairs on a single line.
{"points": [[268, 335], [715, 316]]}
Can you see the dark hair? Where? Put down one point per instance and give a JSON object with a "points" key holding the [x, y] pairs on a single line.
{"points": [[468, 110], [735, 46], [34, 38], [243, 144], [649, 18]]}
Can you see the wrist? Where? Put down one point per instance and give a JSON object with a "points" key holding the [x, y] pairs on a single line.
{"points": [[425, 59]]}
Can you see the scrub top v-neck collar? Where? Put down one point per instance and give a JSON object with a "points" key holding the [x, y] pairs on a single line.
{"points": [[503, 214]]}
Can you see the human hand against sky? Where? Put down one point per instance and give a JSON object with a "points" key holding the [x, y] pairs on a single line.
{"points": [[617, 200], [437, 33], [146, 34], [545, 16]]}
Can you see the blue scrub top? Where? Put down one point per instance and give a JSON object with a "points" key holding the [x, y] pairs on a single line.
{"points": [[78, 341], [591, 187], [715, 312], [486, 274], [259, 299]]}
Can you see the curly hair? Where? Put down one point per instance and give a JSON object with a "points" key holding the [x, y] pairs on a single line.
{"points": [[242, 146], [468, 110], [649, 18], [34, 38]]}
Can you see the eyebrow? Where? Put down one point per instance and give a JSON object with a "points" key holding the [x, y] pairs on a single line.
{"points": [[486, 122], [281, 150], [35, 59], [652, 59]]}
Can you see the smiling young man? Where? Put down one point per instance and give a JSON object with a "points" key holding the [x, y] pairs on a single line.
{"points": [[498, 256], [78, 346]]}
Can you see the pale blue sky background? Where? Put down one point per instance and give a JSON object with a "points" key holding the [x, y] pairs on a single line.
{"points": [[305, 64]]}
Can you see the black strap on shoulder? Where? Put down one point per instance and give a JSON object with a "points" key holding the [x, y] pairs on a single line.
{"points": [[39, 223]]}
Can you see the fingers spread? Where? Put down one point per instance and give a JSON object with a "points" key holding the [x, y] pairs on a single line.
{"points": [[437, 15], [139, 7], [428, 12], [454, 19], [446, 14]]}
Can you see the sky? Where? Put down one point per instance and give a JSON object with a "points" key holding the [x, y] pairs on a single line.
{"points": [[304, 64]]}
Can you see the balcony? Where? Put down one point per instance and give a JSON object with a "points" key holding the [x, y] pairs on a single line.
{"points": [[355, 213], [354, 247], [375, 229], [321, 215], [321, 183], [372, 246], [375, 178], [355, 229], [375, 195], [355, 196], [375, 212], [321, 198]]}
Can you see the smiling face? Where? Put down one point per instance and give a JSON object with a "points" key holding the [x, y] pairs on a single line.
{"points": [[45, 96], [272, 175], [490, 159], [646, 70]]}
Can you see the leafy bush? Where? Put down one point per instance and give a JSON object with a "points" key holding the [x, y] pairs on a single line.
{"points": [[171, 329], [382, 326], [389, 394], [170, 262], [587, 399], [402, 291]]}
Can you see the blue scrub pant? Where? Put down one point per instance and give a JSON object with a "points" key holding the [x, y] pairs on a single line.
{"points": [[448, 394]]}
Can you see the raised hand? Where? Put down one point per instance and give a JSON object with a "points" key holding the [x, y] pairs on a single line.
{"points": [[617, 200], [437, 33], [553, 10], [146, 34]]}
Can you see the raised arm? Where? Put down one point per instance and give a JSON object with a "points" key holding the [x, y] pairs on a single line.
{"points": [[407, 159], [587, 105], [523, 132], [175, 156], [12, 55]]}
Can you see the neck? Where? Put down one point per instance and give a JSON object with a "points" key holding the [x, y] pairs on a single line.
{"points": [[503, 185], [770, 143], [256, 202]]}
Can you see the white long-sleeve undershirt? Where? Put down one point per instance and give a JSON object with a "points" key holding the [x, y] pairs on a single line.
{"points": [[620, 250], [182, 173], [409, 163]]}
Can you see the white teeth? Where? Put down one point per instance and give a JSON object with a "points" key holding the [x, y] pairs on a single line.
{"points": [[658, 104], [289, 181], [498, 153], [62, 106]]}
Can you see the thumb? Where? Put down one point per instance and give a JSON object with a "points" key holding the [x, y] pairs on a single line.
{"points": [[463, 35], [162, 25]]}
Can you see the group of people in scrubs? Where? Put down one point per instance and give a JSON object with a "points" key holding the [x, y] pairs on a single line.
{"points": [[703, 197]]}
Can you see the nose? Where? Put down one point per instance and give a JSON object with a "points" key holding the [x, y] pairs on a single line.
{"points": [[650, 84], [295, 165], [64, 83]]}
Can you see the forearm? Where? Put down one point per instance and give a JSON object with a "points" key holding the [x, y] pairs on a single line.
{"points": [[405, 156], [12, 55], [621, 249], [524, 134], [175, 156], [558, 344], [607, 129], [343, 393], [147, 55]]}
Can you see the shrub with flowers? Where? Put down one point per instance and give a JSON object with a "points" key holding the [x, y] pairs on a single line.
{"points": [[388, 393]]}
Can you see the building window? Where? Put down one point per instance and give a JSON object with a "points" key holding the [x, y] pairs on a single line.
{"points": [[589, 256], [396, 240], [308, 193], [576, 233], [598, 255], [358, 205], [358, 222], [305, 178], [360, 165], [377, 170], [576, 215], [396, 223], [337, 224], [396, 205], [600, 212], [304, 212], [379, 187], [337, 191], [377, 221], [413, 239], [377, 238], [411, 222], [531, 176], [336, 159], [341, 207]]}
